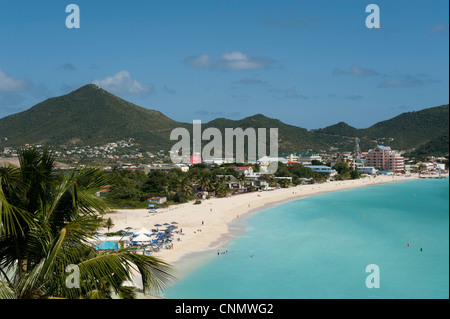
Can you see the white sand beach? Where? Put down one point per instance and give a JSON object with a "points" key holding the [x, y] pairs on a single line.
{"points": [[205, 224]]}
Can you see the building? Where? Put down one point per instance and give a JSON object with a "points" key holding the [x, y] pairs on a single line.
{"points": [[268, 160], [233, 183], [345, 158], [385, 159], [289, 157], [246, 170], [103, 191], [366, 170], [307, 158], [157, 200], [323, 169]]}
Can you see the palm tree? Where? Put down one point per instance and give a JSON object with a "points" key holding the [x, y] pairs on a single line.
{"points": [[241, 179], [46, 221], [185, 186], [109, 223]]}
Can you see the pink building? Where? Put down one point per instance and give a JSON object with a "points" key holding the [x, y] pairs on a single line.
{"points": [[383, 158]]}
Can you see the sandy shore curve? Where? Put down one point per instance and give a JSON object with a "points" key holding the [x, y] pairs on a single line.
{"points": [[205, 224]]}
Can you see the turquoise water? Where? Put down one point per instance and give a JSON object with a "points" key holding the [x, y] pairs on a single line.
{"points": [[319, 247]]}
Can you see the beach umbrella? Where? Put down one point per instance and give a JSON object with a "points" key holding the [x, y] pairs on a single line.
{"points": [[157, 225], [141, 238], [174, 223], [165, 224]]}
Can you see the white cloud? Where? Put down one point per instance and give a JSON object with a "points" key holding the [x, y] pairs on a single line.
{"points": [[229, 61], [122, 83], [9, 84], [239, 61], [404, 81], [439, 28], [201, 61]]}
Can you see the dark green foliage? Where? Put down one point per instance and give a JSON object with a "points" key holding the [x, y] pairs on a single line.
{"points": [[126, 189], [438, 146], [341, 168], [344, 172]]}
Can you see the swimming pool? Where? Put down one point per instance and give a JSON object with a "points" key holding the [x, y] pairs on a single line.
{"points": [[107, 245]]}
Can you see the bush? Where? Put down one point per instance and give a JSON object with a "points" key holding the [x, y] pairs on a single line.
{"points": [[197, 202], [180, 197]]}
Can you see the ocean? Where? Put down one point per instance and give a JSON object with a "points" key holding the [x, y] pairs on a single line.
{"points": [[382, 241]]}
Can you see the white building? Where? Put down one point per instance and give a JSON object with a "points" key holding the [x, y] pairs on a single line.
{"points": [[367, 170], [307, 158]]}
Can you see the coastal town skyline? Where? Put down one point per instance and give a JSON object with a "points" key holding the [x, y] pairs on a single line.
{"points": [[307, 64]]}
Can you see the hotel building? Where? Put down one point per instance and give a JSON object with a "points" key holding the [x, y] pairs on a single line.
{"points": [[385, 159]]}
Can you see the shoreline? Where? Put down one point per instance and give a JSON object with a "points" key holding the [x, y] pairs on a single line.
{"points": [[207, 226], [185, 261]]}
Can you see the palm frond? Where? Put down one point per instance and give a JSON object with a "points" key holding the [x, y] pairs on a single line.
{"points": [[6, 292], [13, 219], [115, 267]]}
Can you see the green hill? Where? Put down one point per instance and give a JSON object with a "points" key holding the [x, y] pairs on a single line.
{"points": [[412, 128], [403, 132], [438, 146], [339, 129], [290, 138], [87, 116]]}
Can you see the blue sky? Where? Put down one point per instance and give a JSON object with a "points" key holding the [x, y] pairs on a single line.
{"points": [[307, 63]]}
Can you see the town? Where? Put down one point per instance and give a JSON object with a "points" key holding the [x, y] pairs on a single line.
{"points": [[145, 179]]}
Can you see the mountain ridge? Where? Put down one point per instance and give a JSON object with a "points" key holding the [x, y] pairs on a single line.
{"points": [[92, 116]]}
